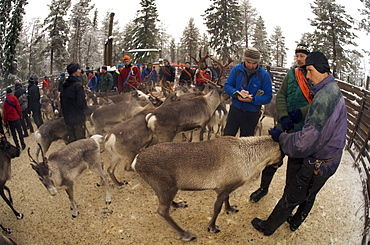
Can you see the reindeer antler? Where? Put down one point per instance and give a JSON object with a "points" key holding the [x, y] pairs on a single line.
{"points": [[169, 88], [198, 63], [223, 67], [31, 158]]}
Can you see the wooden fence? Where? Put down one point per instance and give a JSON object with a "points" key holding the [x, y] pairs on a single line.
{"points": [[358, 134]]}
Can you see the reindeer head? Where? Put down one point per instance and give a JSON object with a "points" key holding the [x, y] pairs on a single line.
{"points": [[44, 173], [8, 149]]}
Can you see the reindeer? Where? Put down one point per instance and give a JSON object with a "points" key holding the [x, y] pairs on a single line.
{"points": [[61, 169], [168, 120], [116, 113], [218, 120], [268, 110], [125, 140], [7, 152], [221, 164], [49, 132]]}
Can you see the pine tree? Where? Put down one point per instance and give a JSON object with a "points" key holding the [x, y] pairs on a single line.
{"points": [[146, 31], [248, 14], [189, 41], [91, 57], [57, 29], [333, 30], [365, 22], [80, 24], [223, 20], [277, 41], [11, 17], [260, 40]]}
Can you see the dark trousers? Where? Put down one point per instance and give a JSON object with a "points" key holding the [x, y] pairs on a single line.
{"points": [[294, 165], [37, 118], [297, 193], [15, 127], [26, 123], [244, 120], [76, 132]]}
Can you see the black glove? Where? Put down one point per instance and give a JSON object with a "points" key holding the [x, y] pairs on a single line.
{"points": [[295, 115], [275, 133], [286, 123]]}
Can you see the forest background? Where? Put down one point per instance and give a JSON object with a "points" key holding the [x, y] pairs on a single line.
{"points": [[43, 38]]}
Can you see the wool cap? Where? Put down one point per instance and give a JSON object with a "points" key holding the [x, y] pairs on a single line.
{"points": [[252, 54], [104, 68], [302, 48], [62, 74], [126, 57], [73, 67], [119, 66], [319, 61], [9, 90], [31, 80]]}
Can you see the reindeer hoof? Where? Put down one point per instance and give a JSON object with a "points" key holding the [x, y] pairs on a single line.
{"points": [[232, 209], [182, 204], [214, 229], [20, 216], [74, 215], [121, 184], [7, 230], [186, 236], [108, 202]]}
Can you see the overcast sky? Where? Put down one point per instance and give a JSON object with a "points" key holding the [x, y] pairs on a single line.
{"points": [[291, 15]]}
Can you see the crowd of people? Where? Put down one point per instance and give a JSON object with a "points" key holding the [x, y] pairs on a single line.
{"points": [[311, 118]]}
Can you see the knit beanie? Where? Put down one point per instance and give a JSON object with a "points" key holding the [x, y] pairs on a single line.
{"points": [[319, 61], [302, 48], [252, 54], [126, 57], [73, 67]]}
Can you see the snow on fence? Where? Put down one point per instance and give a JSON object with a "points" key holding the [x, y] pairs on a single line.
{"points": [[358, 133]]}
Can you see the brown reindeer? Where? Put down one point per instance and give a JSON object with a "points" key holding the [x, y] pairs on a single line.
{"points": [[222, 164]]}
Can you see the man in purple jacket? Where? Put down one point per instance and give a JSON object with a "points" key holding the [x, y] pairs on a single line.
{"points": [[320, 143]]}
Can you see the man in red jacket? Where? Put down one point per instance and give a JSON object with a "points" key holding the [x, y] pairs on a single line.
{"points": [[129, 76], [12, 114]]}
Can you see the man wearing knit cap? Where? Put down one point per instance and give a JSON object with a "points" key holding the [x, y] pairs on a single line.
{"points": [[129, 76], [105, 80], [250, 87], [73, 102], [320, 143], [292, 102]]}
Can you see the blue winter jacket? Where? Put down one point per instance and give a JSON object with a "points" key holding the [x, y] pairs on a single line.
{"points": [[238, 80], [323, 135]]}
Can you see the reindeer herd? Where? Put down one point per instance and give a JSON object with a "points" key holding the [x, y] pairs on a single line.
{"points": [[137, 130]]}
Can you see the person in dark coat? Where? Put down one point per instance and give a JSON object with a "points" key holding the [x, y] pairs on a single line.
{"points": [[187, 75], [12, 114], [25, 121], [73, 102], [34, 104]]}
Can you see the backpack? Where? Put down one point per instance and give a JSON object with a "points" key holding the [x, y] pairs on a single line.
{"points": [[23, 101]]}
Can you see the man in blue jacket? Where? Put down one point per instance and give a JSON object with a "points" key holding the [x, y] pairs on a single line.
{"points": [[250, 87], [319, 143]]}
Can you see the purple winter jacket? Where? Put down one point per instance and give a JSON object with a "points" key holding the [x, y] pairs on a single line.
{"points": [[323, 135]]}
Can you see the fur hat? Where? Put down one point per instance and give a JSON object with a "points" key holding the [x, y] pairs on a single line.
{"points": [[319, 61], [302, 48], [73, 67], [252, 54]]}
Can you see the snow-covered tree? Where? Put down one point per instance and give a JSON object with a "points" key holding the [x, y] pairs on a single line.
{"points": [[248, 14], [189, 41], [224, 23], [277, 42], [146, 31], [57, 28], [80, 22], [333, 32], [365, 22], [260, 40], [11, 17]]}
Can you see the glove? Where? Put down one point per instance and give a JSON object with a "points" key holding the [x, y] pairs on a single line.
{"points": [[275, 133], [286, 123], [295, 115]]}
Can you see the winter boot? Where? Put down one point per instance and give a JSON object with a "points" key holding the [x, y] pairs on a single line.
{"points": [[267, 175]]}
